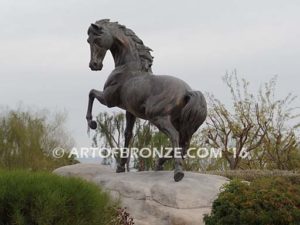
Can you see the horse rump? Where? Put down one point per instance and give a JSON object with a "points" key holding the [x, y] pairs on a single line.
{"points": [[193, 114]]}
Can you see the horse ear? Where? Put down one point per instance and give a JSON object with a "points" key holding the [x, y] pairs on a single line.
{"points": [[95, 27]]}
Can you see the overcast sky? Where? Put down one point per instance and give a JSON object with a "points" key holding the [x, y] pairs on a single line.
{"points": [[44, 54]]}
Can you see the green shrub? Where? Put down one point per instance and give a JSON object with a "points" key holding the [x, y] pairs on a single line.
{"points": [[251, 175], [267, 201], [44, 199]]}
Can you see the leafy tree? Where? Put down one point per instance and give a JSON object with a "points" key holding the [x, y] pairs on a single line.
{"points": [[110, 134], [261, 125], [148, 136], [110, 130], [27, 140]]}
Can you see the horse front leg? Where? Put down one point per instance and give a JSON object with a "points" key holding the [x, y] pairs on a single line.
{"points": [[130, 120], [92, 95]]}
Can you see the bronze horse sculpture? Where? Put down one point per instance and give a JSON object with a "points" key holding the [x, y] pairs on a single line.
{"points": [[167, 102]]}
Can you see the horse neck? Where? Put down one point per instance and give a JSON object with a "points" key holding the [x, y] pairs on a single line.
{"points": [[125, 53]]}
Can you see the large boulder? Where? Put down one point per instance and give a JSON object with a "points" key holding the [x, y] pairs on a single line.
{"points": [[153, 198]]}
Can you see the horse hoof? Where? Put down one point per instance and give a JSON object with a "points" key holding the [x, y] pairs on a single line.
{"points": [[93, 124], [178, 176], [120, 169]]}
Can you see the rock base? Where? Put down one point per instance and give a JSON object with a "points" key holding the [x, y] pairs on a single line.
{"points": [[153, 198]]}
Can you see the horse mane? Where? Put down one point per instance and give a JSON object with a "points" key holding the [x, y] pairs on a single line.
{"points": [[145, 56]]}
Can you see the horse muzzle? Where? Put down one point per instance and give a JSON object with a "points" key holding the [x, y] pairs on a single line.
{"points": [[96, 66]]}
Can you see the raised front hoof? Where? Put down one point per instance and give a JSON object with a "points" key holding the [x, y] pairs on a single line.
{"points": [[120, 169], [178, 176], [93, 124]]}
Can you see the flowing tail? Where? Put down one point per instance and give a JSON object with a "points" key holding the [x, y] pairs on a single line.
{"points": [[193, 114]]}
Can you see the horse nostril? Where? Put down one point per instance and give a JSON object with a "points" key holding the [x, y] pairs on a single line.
{"points": [[93, 65]]}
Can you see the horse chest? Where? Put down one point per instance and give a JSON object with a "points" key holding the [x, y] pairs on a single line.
{"points": [[112, 89]]}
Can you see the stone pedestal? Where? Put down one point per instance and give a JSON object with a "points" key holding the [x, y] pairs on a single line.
{"points": [[153, 198]]}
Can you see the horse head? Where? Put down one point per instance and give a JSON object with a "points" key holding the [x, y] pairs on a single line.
{"points": [[100, 40], [126, 47]]}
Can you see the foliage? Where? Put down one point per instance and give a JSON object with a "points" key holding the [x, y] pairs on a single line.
{"points": [[261, 125], [251, 175], [265, 201], [122, 217], [27, 140], [110, 133], [148, 136], [39, 198], [110, 130]]}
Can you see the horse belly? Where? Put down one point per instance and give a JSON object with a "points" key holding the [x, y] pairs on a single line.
{"points": [[147, 97], [133, 99]]}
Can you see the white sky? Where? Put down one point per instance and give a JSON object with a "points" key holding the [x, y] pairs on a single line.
{"points": [[44, 54]]}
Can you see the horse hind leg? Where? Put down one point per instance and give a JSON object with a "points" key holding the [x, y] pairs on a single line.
{"points": [[165, 125], [162, 160], [184, 144]]}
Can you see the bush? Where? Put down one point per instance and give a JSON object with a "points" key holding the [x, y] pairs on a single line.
{"points": [[42, 199], [251, 175], [267, 201]]}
